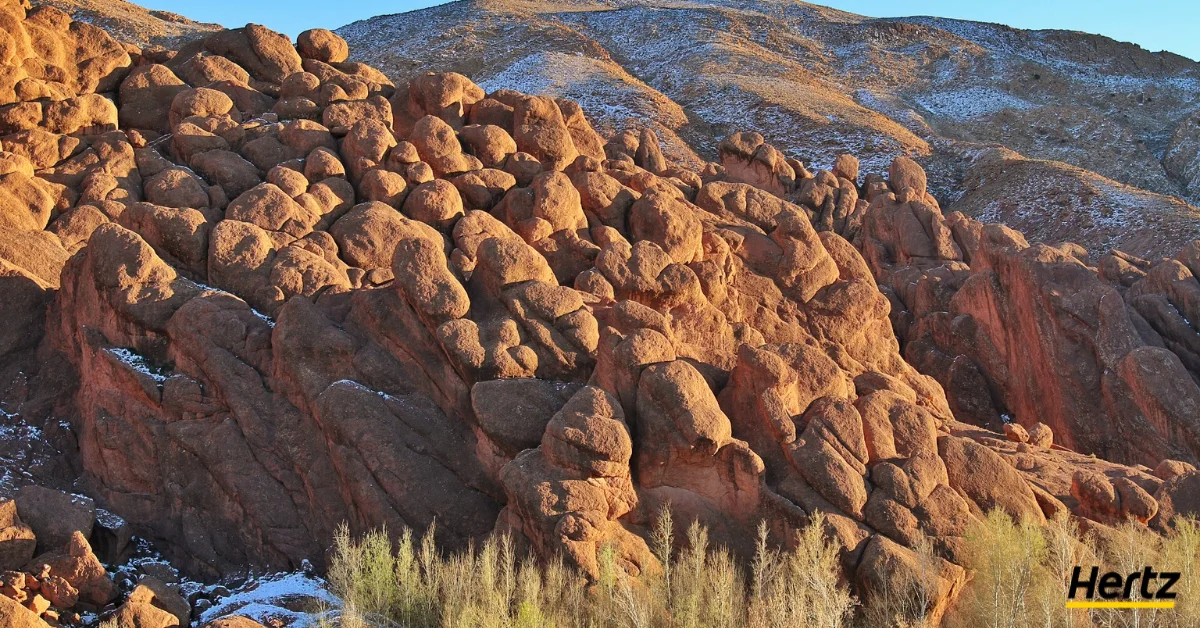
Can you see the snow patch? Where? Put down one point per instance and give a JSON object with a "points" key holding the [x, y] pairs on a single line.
{"points": [[294, 598], [108, 520], [206, 287], [138, 363], [972, 102], [608, 95], [266, 319]]}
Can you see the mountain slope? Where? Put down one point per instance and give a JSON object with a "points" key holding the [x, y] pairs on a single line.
{"points": [[131, 23], [816, 81]]}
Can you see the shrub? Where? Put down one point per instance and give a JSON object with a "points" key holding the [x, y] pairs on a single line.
{"points": [[906, 602], [1133, 547], [1007, 558], [1021, 572], [1180, 551], [800, 587], [1019, 577], [699, 586]]}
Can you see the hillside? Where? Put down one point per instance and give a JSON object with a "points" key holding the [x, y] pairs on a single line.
{"points": [[132, 23], [814, 80]]}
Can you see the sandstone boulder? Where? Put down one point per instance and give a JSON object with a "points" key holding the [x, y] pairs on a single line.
{"points": [[76, 564], [539, 130], [17, 616], [322, 45], [17, 540], [54, 516]]}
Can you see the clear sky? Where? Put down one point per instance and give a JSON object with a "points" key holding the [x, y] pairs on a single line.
{"points": [[1172, 25]]}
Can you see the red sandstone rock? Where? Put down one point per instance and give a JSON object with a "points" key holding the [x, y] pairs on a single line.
{"points": [[54, 516], [436, 305], [77, 565], [17, 616], [322, 45], [17, 540]]}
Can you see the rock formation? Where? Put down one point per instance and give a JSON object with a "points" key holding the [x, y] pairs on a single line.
{"points": [[273, 292], [1105, 130], [1100, 350]]}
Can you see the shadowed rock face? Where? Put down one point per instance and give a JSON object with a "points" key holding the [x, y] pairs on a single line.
{"points": [[1100, 349], [442, 304]]}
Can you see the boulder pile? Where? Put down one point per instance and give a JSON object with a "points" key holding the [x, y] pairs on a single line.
{"points": [[1102, 352], [288, 294], [52, 569]]}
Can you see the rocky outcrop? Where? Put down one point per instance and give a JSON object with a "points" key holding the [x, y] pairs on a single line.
{"points": [[323, 298], [1182, 158], [1039, 334], [54, 57], [1101, 170], [570, 493], [17, 616], [53, 586]]}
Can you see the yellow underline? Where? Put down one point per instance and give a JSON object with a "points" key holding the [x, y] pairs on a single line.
{"points": [[1120, 604]]}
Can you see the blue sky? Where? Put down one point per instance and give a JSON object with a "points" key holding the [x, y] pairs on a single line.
{"points": [[1154, 24]]}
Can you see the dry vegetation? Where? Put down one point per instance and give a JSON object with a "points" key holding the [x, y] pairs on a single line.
{"points": [[1020, 575], [700, 585]]}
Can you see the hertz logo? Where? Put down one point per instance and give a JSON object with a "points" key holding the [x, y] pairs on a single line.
{"points": [[1117, 591]]}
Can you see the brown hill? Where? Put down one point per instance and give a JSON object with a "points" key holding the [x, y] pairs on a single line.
{"points": [[132, 23]]}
